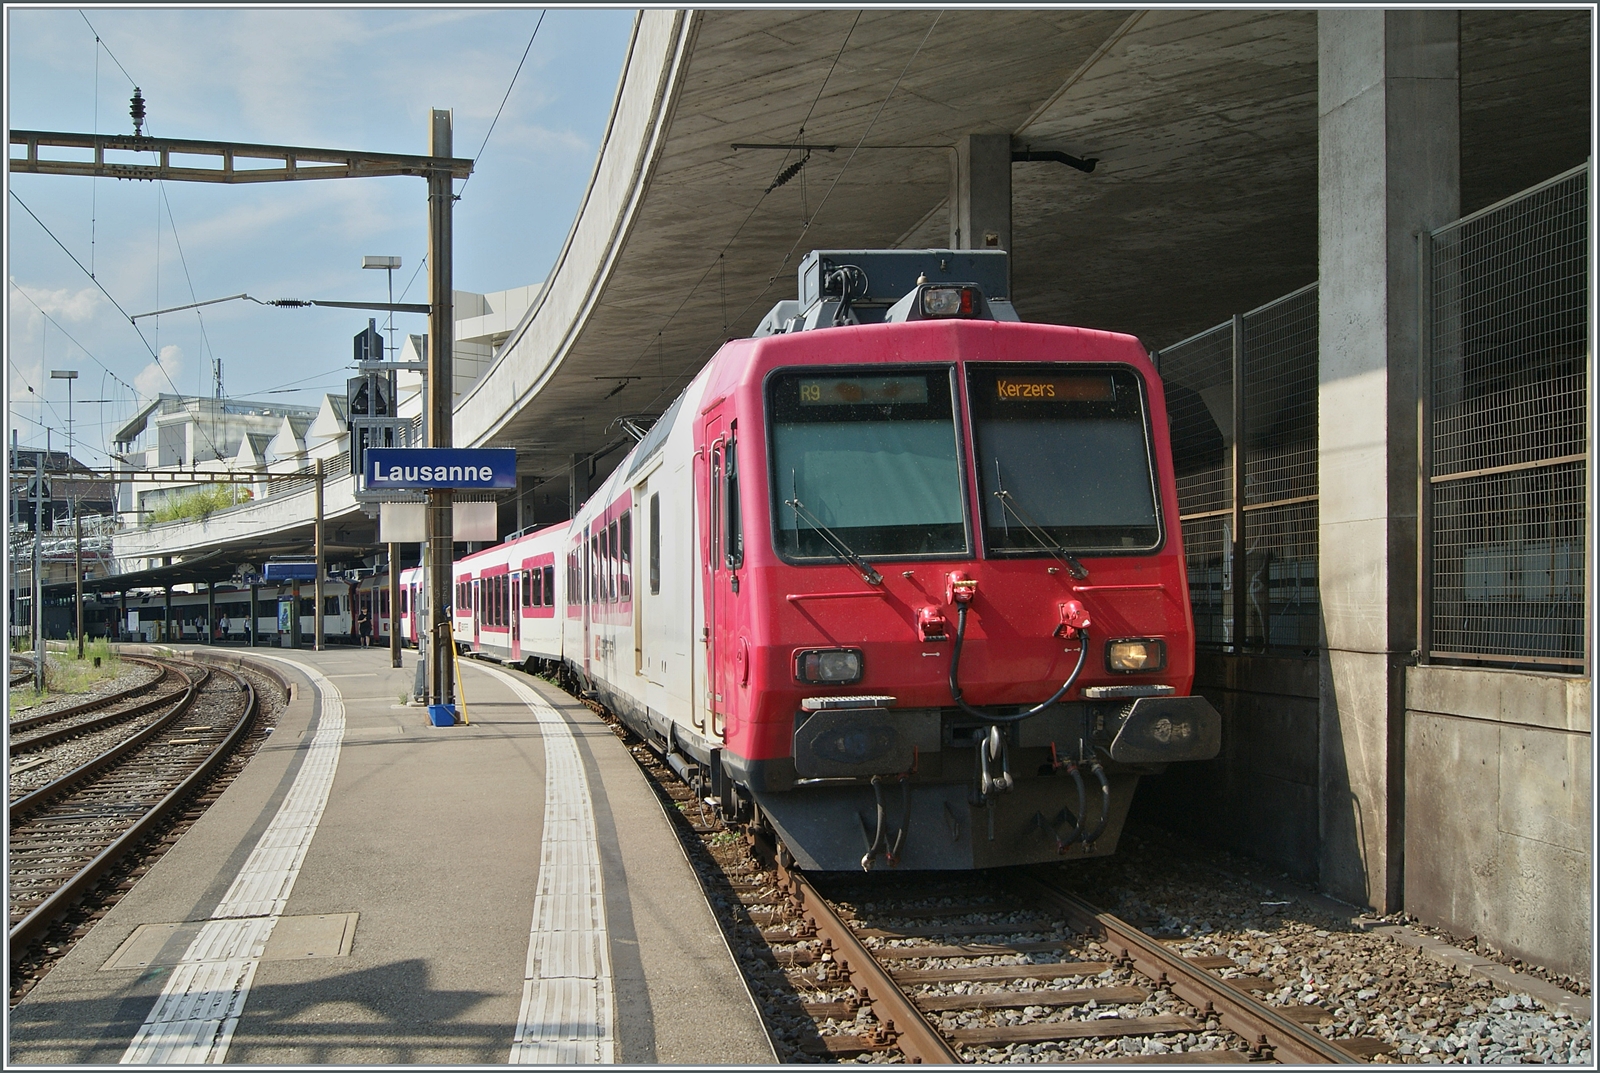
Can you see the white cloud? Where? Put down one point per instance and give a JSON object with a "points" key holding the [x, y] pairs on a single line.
{"points": [[151, 382], [80, 305]]}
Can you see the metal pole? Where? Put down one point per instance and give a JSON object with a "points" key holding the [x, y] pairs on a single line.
{"points": [[36, 596], [254, 626], [294, 614], [77, 568], [394, 606], [441, 331], [1241, 580], [318, 617], [15, 577], [166, 623], [211, 611]]}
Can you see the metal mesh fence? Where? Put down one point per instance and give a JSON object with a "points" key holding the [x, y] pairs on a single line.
{"points": [[1280, 577], [1280, 398], [1198, 374], [1508, 417], [1208, 550], [1276, 603]]}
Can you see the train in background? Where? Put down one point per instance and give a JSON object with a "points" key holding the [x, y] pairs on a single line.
{"points": [[143, 616], [900, 576]]}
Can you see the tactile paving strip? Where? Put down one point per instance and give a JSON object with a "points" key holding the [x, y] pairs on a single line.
{"points": [[567, 1001], [194, 1018]]}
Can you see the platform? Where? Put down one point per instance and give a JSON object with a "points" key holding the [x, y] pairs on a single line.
{"points": [[374, 890]]}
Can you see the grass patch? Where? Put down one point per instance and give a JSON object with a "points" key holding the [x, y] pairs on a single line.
{"points": [[201, 503], [64, 672]]}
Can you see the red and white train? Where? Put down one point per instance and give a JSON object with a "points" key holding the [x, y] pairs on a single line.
{"points": [[900, 576]]}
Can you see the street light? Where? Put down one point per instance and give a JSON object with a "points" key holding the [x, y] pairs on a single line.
{"points": [[69, 375], [389, 264]]}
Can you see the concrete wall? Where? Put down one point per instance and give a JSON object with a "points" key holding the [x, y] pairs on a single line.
{"points": [[1260, 796], [1499, 810]]}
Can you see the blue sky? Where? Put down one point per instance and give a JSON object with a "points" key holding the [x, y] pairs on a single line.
{"points": [[349, 78]]}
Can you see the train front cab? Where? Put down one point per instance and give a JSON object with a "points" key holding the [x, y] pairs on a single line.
{"points": [[1001, 491]]}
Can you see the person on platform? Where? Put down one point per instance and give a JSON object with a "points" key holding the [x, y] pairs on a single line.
{"points": [[364, 627]]}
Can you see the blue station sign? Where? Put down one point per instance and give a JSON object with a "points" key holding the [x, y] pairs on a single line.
{"points": [[440, 467]]}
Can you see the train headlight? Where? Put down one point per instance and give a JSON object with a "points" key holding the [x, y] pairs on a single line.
{"points": [[1128, 657], [831, 666], [948, 301]]}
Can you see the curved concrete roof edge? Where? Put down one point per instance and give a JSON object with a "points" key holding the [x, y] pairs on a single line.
{"points": [[647, 94]]}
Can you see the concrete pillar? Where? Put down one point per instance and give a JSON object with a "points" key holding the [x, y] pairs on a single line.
{"points": [[980, 193], [1388, 167]]}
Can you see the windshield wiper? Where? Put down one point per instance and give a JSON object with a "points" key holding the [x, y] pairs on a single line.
{"points": [[1055, 550], [837, 546]]}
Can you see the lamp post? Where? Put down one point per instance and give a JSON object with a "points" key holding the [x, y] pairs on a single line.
{"points": [[388, 264], [69, 375]]}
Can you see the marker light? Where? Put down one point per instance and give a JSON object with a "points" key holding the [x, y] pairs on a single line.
{"points": [[948, 301], [1128, 657], [832, 666]]}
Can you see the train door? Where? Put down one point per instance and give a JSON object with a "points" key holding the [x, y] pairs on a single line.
{"points": [[477, 614], [586, 558], [723, 544], [515, 615]]}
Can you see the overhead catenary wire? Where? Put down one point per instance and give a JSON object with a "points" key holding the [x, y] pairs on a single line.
{"points": [[107, 47], [154, 356], [799, 136], [504, 99], [805, 224], [104, 368]]}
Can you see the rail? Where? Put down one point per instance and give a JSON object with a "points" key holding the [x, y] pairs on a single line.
{"points": [[1236, 1011], [33, 925]]}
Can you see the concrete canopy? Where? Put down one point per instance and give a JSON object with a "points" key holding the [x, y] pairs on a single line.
{"points": [[1203, 201]]}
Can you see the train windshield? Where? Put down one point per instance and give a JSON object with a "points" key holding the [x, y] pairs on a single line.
{"points": [[1063, 459], [867, 458]]}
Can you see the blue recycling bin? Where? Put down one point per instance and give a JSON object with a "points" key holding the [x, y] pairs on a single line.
{"points": [[442, 715]]}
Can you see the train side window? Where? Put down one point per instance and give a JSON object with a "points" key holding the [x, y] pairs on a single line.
{"points": [[733, 523], [383, 601], [655, 544], [549, 586], [530, 585], [613, 589], [625, 548], [594, 566], [330, 607]]}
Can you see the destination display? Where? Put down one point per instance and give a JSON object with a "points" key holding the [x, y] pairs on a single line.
{"points": [[441, 467], [1054, 389], [872, 390]]}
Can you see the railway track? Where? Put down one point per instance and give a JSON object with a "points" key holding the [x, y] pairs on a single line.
{"points": [[67, 834], [36, 732], [979, 967], [23, 676], [953, 969]]}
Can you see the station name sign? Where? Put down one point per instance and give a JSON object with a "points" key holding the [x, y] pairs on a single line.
{"points": [[441, 467]]}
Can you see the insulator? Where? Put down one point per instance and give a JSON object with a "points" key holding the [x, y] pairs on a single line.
{"points": [[136, 110], [788, 173]]}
